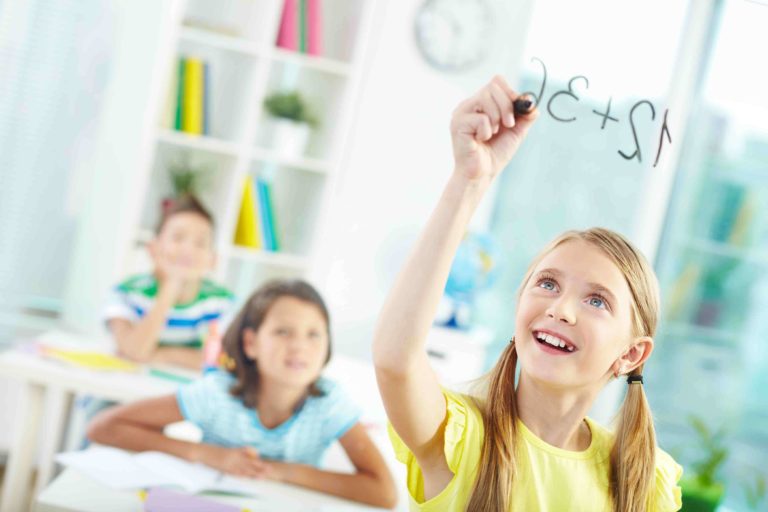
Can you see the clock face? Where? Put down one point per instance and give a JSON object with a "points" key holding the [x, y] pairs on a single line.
{"points": [[454, 35]]}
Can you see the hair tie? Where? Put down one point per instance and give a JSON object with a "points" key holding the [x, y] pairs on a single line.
{"points": [[635, 379]]}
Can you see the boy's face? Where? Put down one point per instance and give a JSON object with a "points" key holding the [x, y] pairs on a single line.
{"points": [[184, 247]]}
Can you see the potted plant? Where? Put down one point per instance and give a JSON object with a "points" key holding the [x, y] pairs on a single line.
{"points": [[291, 122], [755, 493], [703, 490], [186, 179]]}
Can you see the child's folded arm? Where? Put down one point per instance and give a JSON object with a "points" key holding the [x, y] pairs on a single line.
{"points": [[139, 427], [371, 483]]}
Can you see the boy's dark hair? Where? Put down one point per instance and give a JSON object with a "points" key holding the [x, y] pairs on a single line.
{"points": [[251, 316], [186, 203]]}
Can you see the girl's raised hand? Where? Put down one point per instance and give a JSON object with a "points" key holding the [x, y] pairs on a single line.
{"points": [[486, 132]]}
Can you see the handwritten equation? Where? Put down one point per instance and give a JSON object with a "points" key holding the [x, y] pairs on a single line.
{"points": [[558, 99]]}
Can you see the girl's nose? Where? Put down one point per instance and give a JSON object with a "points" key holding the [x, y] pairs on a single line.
{"points": [[561, 311]]}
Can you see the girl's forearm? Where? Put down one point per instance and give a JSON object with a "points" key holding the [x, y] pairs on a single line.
{"points": [[410, 307], [376, 490], [129, 436]]}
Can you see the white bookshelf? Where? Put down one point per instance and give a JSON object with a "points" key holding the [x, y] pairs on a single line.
{"points": [[237, 38]]}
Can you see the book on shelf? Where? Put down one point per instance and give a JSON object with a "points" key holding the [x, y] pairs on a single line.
{"points": [[301, 27], [192, 98], [268, 224], [271, 216], [256, 225], [248, 232], [740, 230], [188, 107], [729, 199]]}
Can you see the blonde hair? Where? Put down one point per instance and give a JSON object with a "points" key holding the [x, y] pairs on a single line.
{"points": [[632, 460]]}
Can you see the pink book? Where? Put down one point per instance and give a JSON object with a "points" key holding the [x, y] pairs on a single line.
{"points": [[288, 36], [314, 28], [167, 500]]}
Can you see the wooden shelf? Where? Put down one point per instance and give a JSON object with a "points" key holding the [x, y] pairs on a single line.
{"points": [[244, 67], [314, 165], [222, 42], [275, 259], [323, 64], [684, 329], [198, 142], [728, 250]]}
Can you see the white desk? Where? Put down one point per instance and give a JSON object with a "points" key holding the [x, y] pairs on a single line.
{"points": [[74, 492], [52, 382], [56, 383]]}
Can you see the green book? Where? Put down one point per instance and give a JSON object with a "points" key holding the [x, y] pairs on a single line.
{"points": [[179, 93], [303, 26]]}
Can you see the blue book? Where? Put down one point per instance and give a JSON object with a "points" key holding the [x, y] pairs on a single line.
{"points": [[271, 217], [206, 97], [269, 241]]}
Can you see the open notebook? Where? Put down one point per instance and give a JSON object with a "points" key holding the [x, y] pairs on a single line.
{"points": [[120, 469]]}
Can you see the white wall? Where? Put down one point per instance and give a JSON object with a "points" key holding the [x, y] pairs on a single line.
{"points": [[124, 149], [397, 160]]}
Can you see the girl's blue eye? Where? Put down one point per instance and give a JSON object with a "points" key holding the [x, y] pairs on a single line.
{"points": [[598, 302], [547, 284]]}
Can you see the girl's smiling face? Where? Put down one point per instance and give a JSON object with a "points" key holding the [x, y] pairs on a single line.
{"points": [[577, 297], [291, 344]]}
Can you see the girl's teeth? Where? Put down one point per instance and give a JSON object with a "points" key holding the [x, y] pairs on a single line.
{"points": [[555, 342]]}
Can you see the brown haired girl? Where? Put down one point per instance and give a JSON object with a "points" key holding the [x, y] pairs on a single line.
{"points": [[271, 414]]}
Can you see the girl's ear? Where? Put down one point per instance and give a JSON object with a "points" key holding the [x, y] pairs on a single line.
{"points": [[250, 343], [636, 355]]}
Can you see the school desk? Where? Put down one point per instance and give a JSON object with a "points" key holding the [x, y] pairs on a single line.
{"points": [[73, 491], [55, 383]]}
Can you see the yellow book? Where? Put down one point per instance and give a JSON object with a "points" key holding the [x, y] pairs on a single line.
{"points": [[247, 232], [739, 235], [91, 360], [192, 116]]}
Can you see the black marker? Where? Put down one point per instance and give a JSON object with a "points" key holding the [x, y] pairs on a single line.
{"points": [[523, 105]]}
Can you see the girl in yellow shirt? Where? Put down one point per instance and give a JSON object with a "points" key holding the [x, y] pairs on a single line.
{"points": [[586, 313]]}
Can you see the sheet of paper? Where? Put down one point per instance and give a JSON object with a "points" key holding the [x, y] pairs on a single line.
{"points": [[120, 469], [113, 467]]}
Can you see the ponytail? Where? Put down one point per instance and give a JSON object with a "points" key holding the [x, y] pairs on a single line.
{"points": [[633, 456], [497, 460]]}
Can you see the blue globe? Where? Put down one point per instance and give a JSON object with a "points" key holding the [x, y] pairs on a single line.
{"points": [[475, 267]]}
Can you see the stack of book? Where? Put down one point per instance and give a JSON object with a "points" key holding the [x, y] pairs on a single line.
{"points": [[301, 27], [256, 224], [187, 108]]}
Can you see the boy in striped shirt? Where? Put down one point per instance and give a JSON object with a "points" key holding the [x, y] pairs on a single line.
{"points": [[163, 317]]}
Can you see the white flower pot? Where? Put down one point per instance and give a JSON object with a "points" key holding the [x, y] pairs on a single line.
{"points": [[288, 138]]}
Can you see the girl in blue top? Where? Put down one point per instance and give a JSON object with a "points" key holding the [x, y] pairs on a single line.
{"points": [[270, 414]]}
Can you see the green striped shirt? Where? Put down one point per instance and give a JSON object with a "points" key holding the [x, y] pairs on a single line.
{"points": [[187, 324]]}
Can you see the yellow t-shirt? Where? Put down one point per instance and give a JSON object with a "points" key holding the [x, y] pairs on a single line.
{"points": [[549, 478]]}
